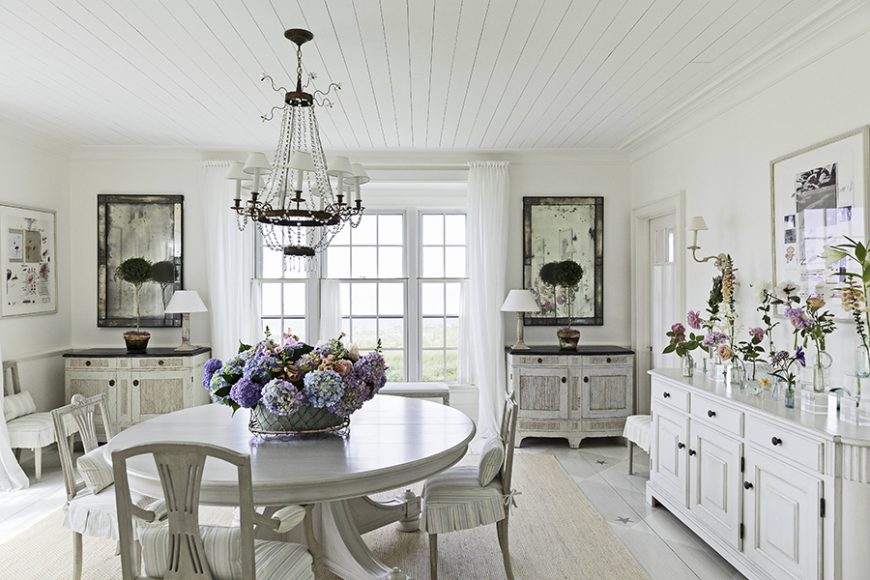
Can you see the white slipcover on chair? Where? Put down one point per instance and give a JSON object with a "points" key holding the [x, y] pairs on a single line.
{"points": [[11, 475], [637, 430]]}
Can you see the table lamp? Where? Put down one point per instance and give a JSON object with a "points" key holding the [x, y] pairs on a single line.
{"points": [[184, 302], [520, 301]]}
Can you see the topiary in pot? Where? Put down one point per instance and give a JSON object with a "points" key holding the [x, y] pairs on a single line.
{"points": [[135, 271], [566, 274]]}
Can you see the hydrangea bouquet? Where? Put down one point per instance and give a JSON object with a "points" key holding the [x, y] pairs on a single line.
{"points": [[293, 387]]}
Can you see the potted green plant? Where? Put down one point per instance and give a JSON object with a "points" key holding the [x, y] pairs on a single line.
{"points": [[135, 271], [567, 275]]}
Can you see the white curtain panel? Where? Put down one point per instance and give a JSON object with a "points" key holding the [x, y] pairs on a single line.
{"points": [[330, 309], [488, 196], [11, 475], [233, 291]]}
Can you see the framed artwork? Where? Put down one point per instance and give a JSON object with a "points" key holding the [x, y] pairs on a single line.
{"points": [[28, 261], [819, 195], [556, 229], [139, 226]]}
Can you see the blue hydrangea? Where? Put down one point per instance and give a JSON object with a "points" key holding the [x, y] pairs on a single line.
{"points": [[323, 389], [210, 367], [259, 367], [246, 393], [281, 397], [217, 382]]}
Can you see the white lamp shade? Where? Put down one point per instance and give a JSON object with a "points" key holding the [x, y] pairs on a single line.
{"points": [[340, 165], [520, 301], [184, 301], [697, 224], [257, 164], [359, 173], [236, 172], [301, 160]]}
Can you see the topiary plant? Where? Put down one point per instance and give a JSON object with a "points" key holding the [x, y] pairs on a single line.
{"points": [[135, 271]]}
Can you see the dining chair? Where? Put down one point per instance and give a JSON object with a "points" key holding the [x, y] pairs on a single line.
{"points": [[90, 505], [187, 550], [470, 496]]}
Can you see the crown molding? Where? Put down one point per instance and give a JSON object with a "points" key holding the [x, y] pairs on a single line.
{"points": [[12, 130]]}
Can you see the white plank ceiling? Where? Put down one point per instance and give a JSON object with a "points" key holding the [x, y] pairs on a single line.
{"points": [[423, 74]]}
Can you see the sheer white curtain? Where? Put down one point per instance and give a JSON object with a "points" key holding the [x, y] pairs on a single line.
{"points": [[11, 475], [234, 309], [487, 262], [330, 309]]}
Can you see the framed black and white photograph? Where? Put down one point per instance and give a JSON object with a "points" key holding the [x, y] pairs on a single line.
{"points": [[819, 196], [28, 261], [139, 226], [556, 229]]}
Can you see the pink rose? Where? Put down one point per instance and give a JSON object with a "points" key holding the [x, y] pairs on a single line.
{"points": [[757, 333], [678, 329], [694, 319]]}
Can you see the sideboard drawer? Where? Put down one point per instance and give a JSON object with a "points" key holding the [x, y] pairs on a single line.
{"points": [[158, 363], [532, 360], [785, 443], [91, 363], [608, 360], [714, 413], [670, 395]]}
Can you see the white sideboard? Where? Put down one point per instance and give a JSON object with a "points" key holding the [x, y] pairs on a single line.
{"points": [[777, 493], [138, 386], [571, 394]]}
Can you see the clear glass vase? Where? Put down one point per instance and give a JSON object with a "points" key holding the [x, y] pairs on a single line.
{"points": [[862, 368], [687, 365], [821, 362], [789, 397], [737, 373]]}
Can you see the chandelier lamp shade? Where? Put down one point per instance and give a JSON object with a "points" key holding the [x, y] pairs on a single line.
{"points": [[298, 202]]}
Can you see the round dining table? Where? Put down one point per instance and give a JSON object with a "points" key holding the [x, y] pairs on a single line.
{"points": [[391, 442]]}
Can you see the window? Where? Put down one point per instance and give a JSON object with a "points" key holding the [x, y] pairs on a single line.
{"points": [[370, 262], [283, 294], [442, 269]]}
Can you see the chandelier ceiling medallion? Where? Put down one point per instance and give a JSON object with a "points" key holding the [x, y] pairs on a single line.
{"points": [[292, 201]]}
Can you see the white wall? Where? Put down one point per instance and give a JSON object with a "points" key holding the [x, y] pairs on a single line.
{"points": [[35, 173], [723, 166]]}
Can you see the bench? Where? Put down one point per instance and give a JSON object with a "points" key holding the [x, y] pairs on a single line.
{"points": [[419, 391]]}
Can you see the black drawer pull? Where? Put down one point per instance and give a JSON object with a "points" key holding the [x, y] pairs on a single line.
{"points": [[775, 441], [87, 363], [112, 383], [666, 395], [747, 485], [711, 413], [681, 445], [564, 380], [585, 379], [540, 360], [692, 452], [608, 359], [136, 383], [160, 362]]}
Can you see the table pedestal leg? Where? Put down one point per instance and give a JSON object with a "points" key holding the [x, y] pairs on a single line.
{"points": [[370, 514], [344, 551]]}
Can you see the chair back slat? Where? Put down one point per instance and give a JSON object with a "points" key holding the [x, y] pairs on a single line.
{"points": [[180, 467], [83, 411], [10, 370], [508, 435]]}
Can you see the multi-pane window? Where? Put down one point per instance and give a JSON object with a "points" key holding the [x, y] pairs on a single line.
{"points": [[370, 262], [283, 294], [442, 269]]}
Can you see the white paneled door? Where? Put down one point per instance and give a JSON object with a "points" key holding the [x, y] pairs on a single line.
{"points": [[663, 298]]}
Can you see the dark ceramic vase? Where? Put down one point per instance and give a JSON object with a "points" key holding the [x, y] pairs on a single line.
{"points": [[137, 341]]}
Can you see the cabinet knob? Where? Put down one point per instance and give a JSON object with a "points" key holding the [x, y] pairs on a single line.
{"points": [[747, 485], [608, 359], [775, 441], [711, 413], [112, 382], [681, 445], [585, 379], [666, 395], [135, 382], [692, 452], [564, 380], [540, 360], [160, 362], [87, 363]]}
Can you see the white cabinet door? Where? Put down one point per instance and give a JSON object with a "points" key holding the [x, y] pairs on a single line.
{"points": [[114, 383], [716, 484], [607, 391], [783, 523], [158, 392], [543, 392], [670, 453]]}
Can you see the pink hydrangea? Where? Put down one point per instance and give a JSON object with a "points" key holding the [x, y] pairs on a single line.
{"points": [[693, 317]]}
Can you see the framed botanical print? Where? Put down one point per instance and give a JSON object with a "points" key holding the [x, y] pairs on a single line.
{"points": [[818, 197], [139, 226], [556, 229], [28, 261]]}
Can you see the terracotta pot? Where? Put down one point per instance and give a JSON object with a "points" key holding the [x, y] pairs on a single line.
{"points": [[568, 338], [137, 340]]}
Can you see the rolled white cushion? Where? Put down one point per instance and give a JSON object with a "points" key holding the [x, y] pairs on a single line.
{"points": [[95, 470], [18, 405], [491, 460]]}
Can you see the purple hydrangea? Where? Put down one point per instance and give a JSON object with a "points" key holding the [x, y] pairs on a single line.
{"points": [[714, 338], [218, 382], [693, 318], [799, 318], [323, 389], [281, 397], [210, 367], [259, 367], [246, 393], [371, 369]]}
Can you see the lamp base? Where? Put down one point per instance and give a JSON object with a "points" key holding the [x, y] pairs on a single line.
{"points": [[186, 347], [520, 345]]}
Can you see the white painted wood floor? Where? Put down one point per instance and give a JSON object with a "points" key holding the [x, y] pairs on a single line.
{"points": [[666, 548]]}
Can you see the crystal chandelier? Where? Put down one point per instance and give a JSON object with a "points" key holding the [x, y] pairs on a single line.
{"points": [[292, 201]]}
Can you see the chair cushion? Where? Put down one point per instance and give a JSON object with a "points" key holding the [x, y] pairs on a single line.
{"points": [[96, 515], [638, 430], [491, 460], [18, 405], [95, 469], [455, 500], [31, 431], [415, 389], [273, 560]]}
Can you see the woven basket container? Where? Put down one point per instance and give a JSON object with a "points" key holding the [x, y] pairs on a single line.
{"points": [[306, 419]]}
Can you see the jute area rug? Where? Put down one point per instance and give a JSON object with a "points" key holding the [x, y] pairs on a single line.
{"points": [[554, 533]]}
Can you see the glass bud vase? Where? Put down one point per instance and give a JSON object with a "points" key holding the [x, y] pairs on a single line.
{"points": [[687, 365], [821, 363], [789, 396], [862, 368]]}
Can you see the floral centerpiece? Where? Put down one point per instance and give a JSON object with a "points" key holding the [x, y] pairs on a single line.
{"points": [[292, 387], [813, 324]]}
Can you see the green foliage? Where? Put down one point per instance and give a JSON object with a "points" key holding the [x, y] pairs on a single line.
{"points": [[548, 274], [163, 273], [568, 273], [135, 271]]}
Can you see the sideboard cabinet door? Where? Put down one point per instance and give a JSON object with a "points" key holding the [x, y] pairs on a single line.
{"points": [[114, 384], [783, 523], [670, 453], [158, 392], [716, 485], [607, 391], [543, 392]]}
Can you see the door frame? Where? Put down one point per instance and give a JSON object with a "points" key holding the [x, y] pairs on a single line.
{"points": [[640, 281]]}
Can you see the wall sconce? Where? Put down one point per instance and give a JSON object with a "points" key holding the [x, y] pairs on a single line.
{"points": [[697, 224]]}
